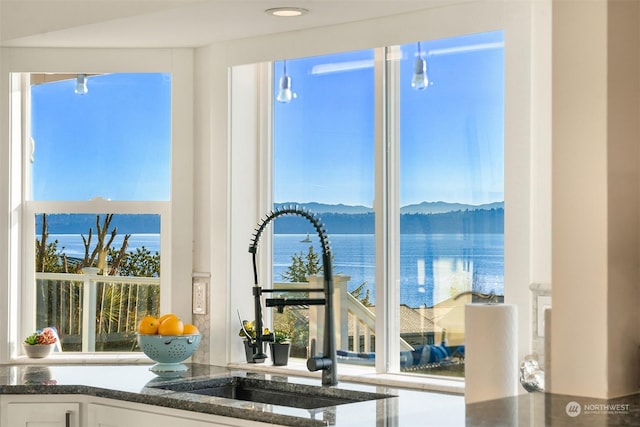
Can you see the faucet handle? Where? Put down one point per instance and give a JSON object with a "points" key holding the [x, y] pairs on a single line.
{"points": [[317, 363], [312, 348]]}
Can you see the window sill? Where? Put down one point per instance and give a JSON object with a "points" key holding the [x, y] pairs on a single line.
{"points": [[363, 374], [85, 358]]}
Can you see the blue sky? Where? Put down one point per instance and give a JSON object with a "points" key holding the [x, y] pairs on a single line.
{"points": [[323, 138], [113, 142], [452, 139]]}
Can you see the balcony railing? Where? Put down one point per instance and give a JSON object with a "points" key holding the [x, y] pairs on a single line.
{"points": [[100, 313], [93, 312], [355, 322]]}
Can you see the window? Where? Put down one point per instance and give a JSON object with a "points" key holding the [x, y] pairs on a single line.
{"points": [[449, 139], [96, 202], [114, 142], [451, 190], [324, 161]]}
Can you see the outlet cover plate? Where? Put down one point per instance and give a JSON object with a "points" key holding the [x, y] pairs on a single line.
{"points": [[200, 296]]}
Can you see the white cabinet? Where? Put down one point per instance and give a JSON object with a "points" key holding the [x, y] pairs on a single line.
{"points": [[39, 411], [55, 410], [115, 413], [111, 416], [43, 415]]}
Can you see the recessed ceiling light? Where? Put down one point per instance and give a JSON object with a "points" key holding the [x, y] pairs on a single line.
{"points": [[286, 11]]}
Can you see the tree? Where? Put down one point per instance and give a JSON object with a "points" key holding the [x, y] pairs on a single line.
{"points": [[295, 322], [99, 253], [357, 294], [47, 255], [140, 263], [302, 266]]}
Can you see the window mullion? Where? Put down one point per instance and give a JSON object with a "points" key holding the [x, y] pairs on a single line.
{"points": [[24, 316], [387, 214], [265, 153]]}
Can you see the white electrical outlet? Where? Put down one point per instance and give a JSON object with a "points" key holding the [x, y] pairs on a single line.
{"points": [[199, 296]]}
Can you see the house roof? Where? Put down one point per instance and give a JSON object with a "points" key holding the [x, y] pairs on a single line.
{"points": [[414, 320]]}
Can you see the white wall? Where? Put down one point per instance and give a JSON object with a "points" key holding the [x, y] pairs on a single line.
{"points": [[623, 136], [206, 251], [595, 323], [5, 220]]}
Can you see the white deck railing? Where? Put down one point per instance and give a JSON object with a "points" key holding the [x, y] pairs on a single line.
{"points": [[78, 305], [353, 319], [119, 297]]}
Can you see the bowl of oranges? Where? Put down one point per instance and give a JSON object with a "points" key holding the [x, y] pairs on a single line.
{"points": [[167, 341]]}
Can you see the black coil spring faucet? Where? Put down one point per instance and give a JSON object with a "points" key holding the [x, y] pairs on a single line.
{"points": [[327, 361]]}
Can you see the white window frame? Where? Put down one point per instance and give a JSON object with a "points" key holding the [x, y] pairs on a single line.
{"points": [[176, 214], [387, 204]]}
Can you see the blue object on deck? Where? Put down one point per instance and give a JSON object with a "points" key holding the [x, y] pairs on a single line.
{"points": [[433, 354], [423, 355], [356, 355]]}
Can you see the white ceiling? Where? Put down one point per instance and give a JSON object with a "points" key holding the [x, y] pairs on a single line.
{"points": [[174, 23]]}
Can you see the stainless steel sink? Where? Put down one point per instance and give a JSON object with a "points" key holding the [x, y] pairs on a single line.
{"points": [[272, 392]]}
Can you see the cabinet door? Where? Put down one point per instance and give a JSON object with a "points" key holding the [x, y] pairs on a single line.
{"points": [[110, 416], [43, 414]]}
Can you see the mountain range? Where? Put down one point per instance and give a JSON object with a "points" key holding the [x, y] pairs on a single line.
{"points": [[444, 207], [425, 217], [420, 208], [80, 223]]}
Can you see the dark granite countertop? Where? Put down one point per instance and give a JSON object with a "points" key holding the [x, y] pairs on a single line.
{"points": [[545, 409], [409, 408], [136, 383]]}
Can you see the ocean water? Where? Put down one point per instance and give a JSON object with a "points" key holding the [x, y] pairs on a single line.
{"points": [[73, 246], [433, 267]]}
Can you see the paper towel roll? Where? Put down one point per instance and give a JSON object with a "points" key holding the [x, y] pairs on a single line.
{"points": [[491, 351]]}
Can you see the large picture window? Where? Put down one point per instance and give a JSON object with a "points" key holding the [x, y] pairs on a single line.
{"points": [[448, 132]]}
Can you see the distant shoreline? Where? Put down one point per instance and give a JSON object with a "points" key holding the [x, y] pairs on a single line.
{"points": [[425, 218], [479, 221]]}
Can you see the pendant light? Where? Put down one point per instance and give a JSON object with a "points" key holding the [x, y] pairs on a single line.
{"points": [[81, 84], [420, 81], [284, 92]]}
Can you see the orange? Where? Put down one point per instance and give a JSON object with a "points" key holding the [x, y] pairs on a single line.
{"points": [[166, 316], [148, 325], [190, 329], [171, 326]]}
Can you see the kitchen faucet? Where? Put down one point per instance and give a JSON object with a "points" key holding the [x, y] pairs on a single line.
{"points": [[327, 361]]}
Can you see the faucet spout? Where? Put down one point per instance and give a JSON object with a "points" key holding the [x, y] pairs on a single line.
{"points": [[327, 361]]}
